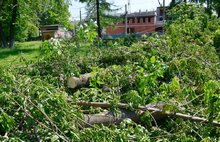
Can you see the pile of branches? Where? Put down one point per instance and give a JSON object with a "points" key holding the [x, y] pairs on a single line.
{"points": [[166, 88]]}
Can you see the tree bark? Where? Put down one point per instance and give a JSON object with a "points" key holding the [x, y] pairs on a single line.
{"points": [[154, 108], [209, 9], [12, 26], [107, 118], [173, 2], [219, 10], [2, 35], [98, 20]]}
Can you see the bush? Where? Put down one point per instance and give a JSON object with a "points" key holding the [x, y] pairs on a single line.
{"points": [[217, 40], [109, 37]]}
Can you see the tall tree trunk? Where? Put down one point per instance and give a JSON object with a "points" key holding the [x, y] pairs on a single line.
{"points": [[98, 20], [12, 26], [219, 10], [172, 4], [209, 10], [2, 35]]}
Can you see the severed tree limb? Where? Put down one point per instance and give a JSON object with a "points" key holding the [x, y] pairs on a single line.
{"points": [[83, 80], [156, 111], [107, 118]]}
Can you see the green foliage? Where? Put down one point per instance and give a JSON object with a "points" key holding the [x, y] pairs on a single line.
{"points": [[180, 68], [85, 31], [109, 37], [128, 41], [217, 40], [51, 46], [105, 10], [54, 12], [31, 15]]}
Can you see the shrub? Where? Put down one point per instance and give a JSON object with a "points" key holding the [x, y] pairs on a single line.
{"points": [[109, 37]]}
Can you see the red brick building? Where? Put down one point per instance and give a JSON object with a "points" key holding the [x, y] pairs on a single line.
{"points": [[139, 22]]}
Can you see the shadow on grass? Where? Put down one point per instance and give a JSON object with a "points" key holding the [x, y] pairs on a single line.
{"points": [[4, 53]]}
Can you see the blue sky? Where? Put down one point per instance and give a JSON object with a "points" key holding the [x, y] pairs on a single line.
{"points": [[135, 6]]}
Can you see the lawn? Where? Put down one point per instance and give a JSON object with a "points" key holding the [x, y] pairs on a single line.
{"points": [[30, 52], [25, 50]]}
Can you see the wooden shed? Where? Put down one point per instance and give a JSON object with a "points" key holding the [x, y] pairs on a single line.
{"points": [[54, 31]]}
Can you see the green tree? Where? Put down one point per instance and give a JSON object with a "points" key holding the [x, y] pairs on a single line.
{"points": [[105, 11], [54, 12], [15, 18], [100, 10], [21, 19], [174, 3], [212, 5]]}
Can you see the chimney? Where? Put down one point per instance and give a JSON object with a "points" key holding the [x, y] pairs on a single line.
{"points": [[139, 10]]}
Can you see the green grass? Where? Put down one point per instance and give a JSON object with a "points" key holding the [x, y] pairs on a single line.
{"points": [[28, 50]]}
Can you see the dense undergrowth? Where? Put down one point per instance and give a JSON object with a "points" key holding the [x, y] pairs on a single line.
{"points": [[180, 68]]}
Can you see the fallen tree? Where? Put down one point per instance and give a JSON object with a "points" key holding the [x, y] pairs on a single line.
{"points": [[156, 110]]}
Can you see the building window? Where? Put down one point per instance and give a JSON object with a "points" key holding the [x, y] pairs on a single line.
{"points": [[149, 19], [161, 12], [133, 20], [143, 20], [130, 30], [128, 21], [138, 20], [158, 29], [161, 19]]}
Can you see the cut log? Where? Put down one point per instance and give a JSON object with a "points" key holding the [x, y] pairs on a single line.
{"points": [[83, 80], [155, 108], [107, 118]]}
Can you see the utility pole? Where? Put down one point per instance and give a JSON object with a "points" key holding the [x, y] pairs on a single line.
{"points": [[80, 15], [163, 15], [126, 19]]}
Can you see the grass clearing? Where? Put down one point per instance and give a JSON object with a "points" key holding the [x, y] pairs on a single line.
{"points": [[27, 50], [30, 52]]}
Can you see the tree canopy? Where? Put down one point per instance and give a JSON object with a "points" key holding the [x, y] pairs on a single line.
{"points": [[21, 19], [212, 5], [100, 10], [105, 11]]}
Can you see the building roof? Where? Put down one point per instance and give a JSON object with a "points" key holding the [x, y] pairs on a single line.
{"points": [[49, 30], [136, 14], [50, 26], [141, 14]]}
